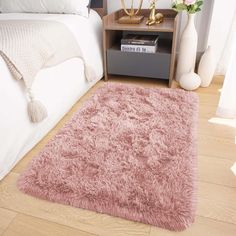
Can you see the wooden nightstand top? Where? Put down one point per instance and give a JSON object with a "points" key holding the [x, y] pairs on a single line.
{"points": [[110, 22]]}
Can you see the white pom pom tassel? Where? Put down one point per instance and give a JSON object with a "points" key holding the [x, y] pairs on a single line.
{"points": [[36, 110]]}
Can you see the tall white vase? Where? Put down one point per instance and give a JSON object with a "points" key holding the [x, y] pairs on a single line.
{"points": [[188, 48], [207, 67]]}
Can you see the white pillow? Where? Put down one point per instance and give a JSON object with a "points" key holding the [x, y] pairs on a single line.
{"points": [[79, 7]]}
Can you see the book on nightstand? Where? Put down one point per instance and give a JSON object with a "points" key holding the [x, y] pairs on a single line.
{"points": [[139, 43]]}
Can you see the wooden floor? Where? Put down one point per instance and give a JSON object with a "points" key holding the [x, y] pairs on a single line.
{"points": [[216, 215]]}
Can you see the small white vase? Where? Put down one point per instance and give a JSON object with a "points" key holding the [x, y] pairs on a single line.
{"points": [[207, 67], [190, 81], [188, 48]]}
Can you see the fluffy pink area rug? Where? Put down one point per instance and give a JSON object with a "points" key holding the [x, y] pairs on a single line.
{"points": [[128, 152]]}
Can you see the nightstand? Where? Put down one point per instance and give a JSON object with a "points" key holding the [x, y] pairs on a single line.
{"points": [[159, 65]]}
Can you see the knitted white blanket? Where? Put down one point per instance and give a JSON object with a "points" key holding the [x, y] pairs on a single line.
{"points": [[27, 46]]}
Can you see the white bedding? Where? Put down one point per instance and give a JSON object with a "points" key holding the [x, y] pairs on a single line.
{"points": [[66, 83]]}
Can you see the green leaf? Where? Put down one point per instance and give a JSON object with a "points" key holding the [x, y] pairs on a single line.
{"points": [[181, 7], [174, 6], [199, 3], [191, 9], [195, 7]]}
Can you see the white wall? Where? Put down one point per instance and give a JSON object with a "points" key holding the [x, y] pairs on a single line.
{"points": [[202, 18]]}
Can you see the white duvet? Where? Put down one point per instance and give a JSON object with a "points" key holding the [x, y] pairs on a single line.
{"points": [[65, 84]]}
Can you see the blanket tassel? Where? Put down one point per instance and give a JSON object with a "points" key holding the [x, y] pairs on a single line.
{"points": [[36, 110]]}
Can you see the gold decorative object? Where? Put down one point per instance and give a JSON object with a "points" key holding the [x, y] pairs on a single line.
{"points": [[132, 14], [153, 17]]}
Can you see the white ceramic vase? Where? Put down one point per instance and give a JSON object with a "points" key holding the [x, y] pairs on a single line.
{"points": [[188, 48], [190, 81], [207, 67]]}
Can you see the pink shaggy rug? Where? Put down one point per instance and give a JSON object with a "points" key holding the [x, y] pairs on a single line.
{"points": [[128, 152]]}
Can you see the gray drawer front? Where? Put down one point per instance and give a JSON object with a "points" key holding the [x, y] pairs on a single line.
{"points": [[138, 64], [97, 3]]}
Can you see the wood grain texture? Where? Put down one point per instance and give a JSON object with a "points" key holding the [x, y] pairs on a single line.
{"points": [[216, 130], [217, 202], [217, 147], [24, 225], [216, 170], [168, 25], [6, 217], [202, 227], [216, 214], [173, 52]]}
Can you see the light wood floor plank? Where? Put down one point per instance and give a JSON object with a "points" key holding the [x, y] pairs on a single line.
{"points": [[213, 89], [6, 217], [209, 99], [217, 202], [216, 130], [202, 227], [207, 111], [83, 220], [24, 225], [217, 147], [216, 170]]}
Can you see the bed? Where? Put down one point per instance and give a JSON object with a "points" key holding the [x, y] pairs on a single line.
{"points": [[17, 134]]}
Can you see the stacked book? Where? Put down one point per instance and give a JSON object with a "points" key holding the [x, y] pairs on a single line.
{"points": [[139, 43]]}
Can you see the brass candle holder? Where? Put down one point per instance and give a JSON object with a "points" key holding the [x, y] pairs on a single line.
{"points": [[132, 16]]}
